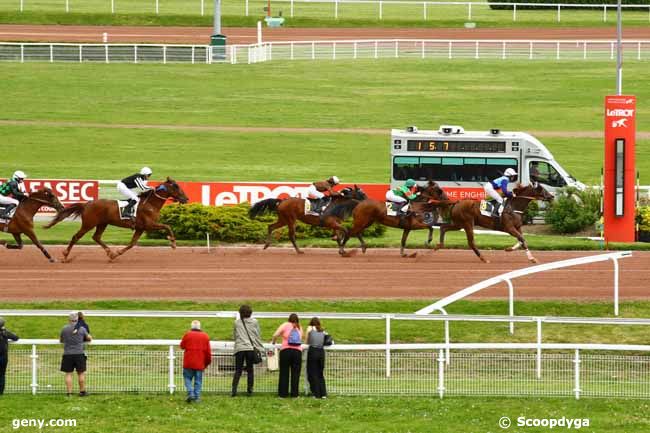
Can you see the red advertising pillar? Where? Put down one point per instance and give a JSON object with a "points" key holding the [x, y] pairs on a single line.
{"points": [[619, 173]]}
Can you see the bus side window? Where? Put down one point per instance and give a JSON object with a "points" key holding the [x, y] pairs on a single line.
{"points": [[545, 173]]}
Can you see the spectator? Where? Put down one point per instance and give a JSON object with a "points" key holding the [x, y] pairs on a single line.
{"points": [[290, 355], [246, 334], [196, 358], [81, 323], [5, 336], [73, 354], [316, 358]]}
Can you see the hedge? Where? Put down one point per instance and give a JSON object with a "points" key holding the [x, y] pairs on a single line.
{"points": [[232, 224], [573, 210], [597, 4]]}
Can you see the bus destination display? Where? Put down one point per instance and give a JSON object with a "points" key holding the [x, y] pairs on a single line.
{"points": [[456, 146]]}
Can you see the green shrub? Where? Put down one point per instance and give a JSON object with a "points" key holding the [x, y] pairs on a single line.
{"points": [[597, 4], [643, 218], [573, 210], [531, 212], [232, 224]]}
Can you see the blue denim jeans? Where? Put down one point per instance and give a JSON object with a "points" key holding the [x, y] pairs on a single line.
{"points": [[193, 392]]}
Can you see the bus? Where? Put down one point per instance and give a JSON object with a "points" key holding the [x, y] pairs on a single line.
{"points": [[463, 161]]}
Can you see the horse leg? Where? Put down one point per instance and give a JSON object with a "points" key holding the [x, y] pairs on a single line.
{"points": [[272, 227], [292, 236], [80, 234], [520, 237], [19, 243], [170, 233], [97, 237], [444, 228], [469, 233], [427, 243], [405, 235], [516, 246], [32, 236], [134, 240]]}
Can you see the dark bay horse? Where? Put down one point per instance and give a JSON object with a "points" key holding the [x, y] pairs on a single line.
{"points": [[465, 214], [101, 213], [292, 209], [23, 220], [422, 215]]}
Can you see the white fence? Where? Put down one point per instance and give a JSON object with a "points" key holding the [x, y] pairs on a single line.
{"points": [[326, 50], [439, 49], [120, 366]]}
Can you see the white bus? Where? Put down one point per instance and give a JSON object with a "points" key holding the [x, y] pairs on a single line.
{"points": [[462, 161]]}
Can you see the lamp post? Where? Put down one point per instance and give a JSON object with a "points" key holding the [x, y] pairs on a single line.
{"points": [[619, 50]]}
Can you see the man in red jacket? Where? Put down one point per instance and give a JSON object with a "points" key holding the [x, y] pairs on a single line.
{"points": [[197, 357]]}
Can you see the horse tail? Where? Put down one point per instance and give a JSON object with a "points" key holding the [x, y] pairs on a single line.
{"points": [[342, 210], [264, 206], [73, 210]]}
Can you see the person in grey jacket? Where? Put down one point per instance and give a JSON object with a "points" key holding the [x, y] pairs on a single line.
{"points": [[5, 336], [247, 336]]}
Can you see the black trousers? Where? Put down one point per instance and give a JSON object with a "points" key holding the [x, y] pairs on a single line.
{"points": [[3, 371], [290, 361], [315, 367], [247, 356]]}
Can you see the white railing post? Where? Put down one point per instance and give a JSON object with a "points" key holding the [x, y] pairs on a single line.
{"points": [[447, 341], [576, 362], [376, 49], [164, 54], [171, 358], [313, 50], [387, 345], [22, 53], [112, 6], [557, 51], [291, 50], [336, 9], [503, 50], [208, 55], [530, 51], [34, 357], [558, 13], [354, 49], [511, 304], [396, 49], [615, 286], [51, 53], [381, 10], [539, 347], [514, 12], [291, 13], [441, 373], [81, 56], [450, 55], [21, 5], [638, 51], [611, 50], [469, 11], [584, 51], [202, 7], [157, 10], [67, 6], [333, 50], [135, 54], [246, 8], [423, 49], [106, 52], [604, 13], [194, 51], [476, 55], [424, 10]]}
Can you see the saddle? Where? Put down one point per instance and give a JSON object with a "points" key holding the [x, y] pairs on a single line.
{"points": [[396, 209], [127, 213], [316, 206], [490, 208], [4, 216]]}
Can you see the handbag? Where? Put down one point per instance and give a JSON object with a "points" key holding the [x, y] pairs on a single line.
{"points": [[257, 355], [327, 340], [272, 360]]}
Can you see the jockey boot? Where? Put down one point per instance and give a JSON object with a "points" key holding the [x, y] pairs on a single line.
{"points": [[128, 210], [8, 211]]}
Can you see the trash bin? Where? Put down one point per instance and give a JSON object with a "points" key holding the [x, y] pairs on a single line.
{"points": [[218, 43]]}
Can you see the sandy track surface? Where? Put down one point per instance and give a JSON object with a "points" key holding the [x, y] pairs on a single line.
{"points": [[245, 35], [278, 273]]}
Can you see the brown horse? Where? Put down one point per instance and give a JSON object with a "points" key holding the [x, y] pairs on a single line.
{"points": [[292, 209], [422, 215], [465, 214], [101, 213], [23, 220]]}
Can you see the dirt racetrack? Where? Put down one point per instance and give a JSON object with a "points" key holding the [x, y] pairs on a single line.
{"points": [[278, 273], [248, 35]]}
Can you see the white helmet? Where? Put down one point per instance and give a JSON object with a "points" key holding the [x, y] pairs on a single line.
{"points": [[335, 180], [146, 171], [19, 175], [510, 172]]}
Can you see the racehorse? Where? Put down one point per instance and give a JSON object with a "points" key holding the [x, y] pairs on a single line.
{"points": [[292, 209], [101, 213], [422, 215], [23, 219], [465, 214]]}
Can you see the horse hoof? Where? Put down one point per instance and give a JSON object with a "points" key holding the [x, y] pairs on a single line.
{"points": [[412, 256], [486, 261], [265, 246], [534, 260], [300, 252], [52, 260], [509, 249]]}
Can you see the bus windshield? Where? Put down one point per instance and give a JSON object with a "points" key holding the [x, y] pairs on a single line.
{"points": [[451, 169]]}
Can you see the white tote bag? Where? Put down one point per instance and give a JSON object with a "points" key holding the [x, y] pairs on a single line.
{"points": [[273, 360]]}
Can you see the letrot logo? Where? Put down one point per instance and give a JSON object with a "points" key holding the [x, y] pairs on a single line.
{"points": [[621, 112], [620, 123]]}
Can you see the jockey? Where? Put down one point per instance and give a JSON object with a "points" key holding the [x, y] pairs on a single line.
{"points": [[500, 183], [403, 194], [137, 182], [13, 192], [318, 191]]}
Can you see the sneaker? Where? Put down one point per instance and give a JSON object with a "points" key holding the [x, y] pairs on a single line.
{"points": [[324, 397], [189, 399], [83, 394]]}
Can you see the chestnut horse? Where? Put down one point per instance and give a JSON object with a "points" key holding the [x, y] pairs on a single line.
{"points": [[465, 214], [101, 213], [422, 215], [23, 220], [292, 209]]}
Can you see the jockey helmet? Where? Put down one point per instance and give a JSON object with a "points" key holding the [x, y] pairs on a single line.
{"points": [[510, 172], [146, 171], [19, 175], [334, 180], [409, 183]]}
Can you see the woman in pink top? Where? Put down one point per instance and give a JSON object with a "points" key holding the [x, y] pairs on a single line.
{"points": [[290, 355]]}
